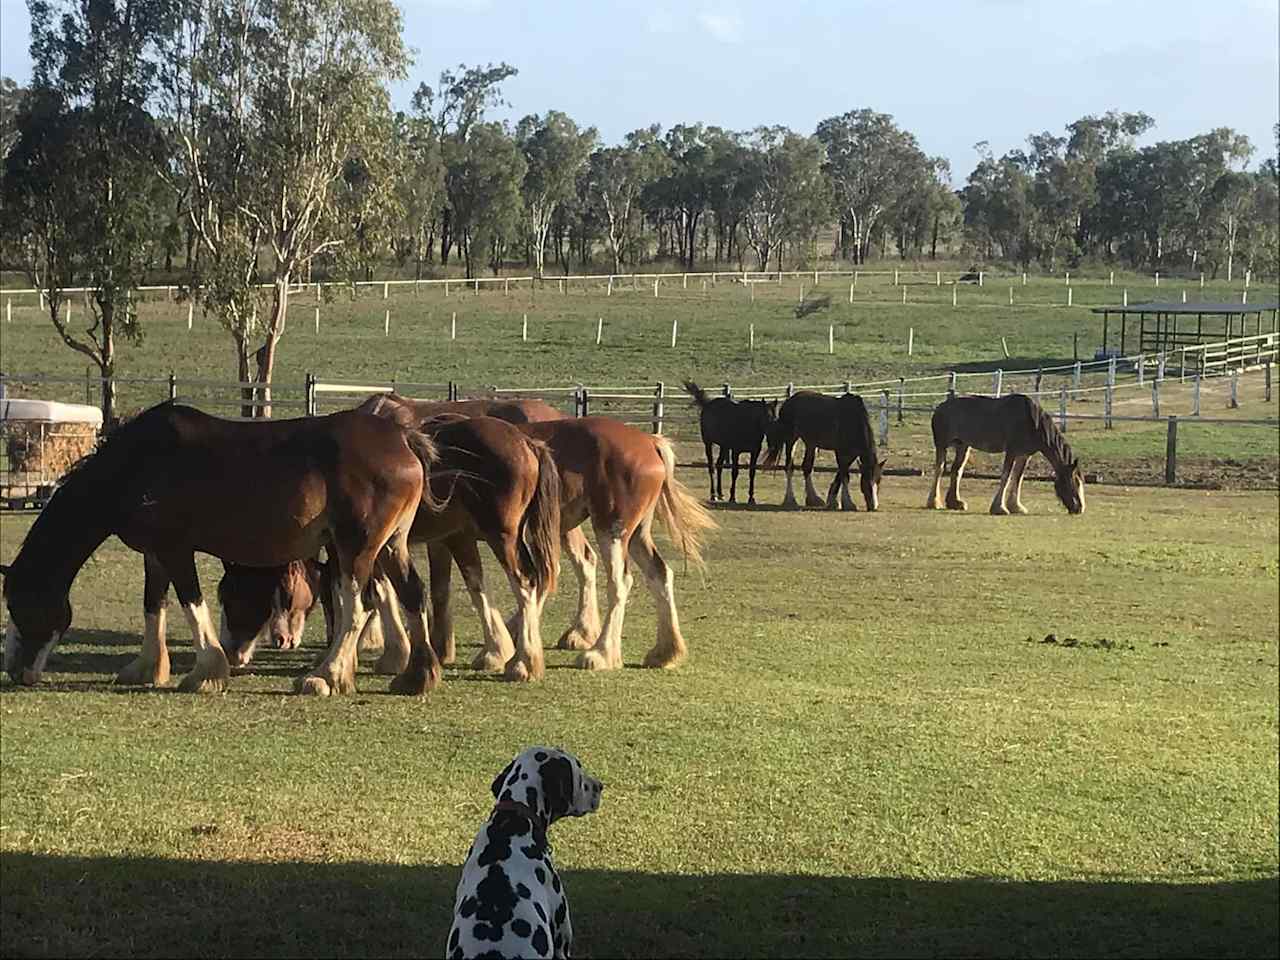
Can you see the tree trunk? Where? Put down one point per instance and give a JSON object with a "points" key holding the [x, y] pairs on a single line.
{"points": [[107, 366], [266, 354], [446, 237], [243, 375]]}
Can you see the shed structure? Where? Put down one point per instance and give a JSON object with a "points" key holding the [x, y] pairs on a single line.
{"points": [[1164, 327]]}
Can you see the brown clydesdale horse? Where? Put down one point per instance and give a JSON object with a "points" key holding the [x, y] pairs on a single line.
{"points": [[823, 422], [1014, 425], [174, 481], [267, 601], [500, 488]]}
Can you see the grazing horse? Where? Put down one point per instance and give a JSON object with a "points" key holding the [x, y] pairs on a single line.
{"points": [[838, 423], [174, 481], [736, 427], [1014, 425], [274, 601], [620, 478]]}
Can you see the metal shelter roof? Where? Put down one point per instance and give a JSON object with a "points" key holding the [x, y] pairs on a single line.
{"points": [[1222, 309]]}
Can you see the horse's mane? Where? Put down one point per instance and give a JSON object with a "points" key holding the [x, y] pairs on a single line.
{"points": [[1050, 438], [861, 425]]}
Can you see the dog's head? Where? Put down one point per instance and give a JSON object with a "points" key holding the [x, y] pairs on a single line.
{"points": [[550, 782]]}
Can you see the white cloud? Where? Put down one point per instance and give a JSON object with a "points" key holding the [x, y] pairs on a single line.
{"points": [[725, 26]]}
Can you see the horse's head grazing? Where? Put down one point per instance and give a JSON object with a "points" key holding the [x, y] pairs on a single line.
{"points": [[762, 414], [1068, 483], [270, 601], [870, 482], [38, 617]]}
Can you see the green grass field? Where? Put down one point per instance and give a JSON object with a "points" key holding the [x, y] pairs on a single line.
{"points": [[872, 750]]}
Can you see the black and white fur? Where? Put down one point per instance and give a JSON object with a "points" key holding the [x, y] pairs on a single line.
{"points": [[510, 900]]}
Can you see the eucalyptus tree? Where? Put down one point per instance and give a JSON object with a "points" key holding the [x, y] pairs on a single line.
{"points": [[420, 187], [555, 151], [679, 198], [11, 97], [484, 194], [789, 193], [79, 184], [618, 177], [871, 163], [271, 102]]}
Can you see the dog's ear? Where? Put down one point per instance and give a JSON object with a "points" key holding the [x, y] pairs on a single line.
{"points": [[557, 786], [500, 779]]}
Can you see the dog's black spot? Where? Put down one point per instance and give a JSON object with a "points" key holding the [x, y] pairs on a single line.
{"points": [[506, 796], [531, 798], [524, 776], [497, 899], [487, 931], [498, 847], [521, 927], [539, 941], [457, 954], [523, 892], [557, 786], [540, 874], [487, 955], [467, 907], [453, 939], [561, 912], [542, 914], [539, 756], [555, 881]]}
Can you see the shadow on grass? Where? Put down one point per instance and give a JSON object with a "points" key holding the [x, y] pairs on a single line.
{"points": [[1016, 363], [73, 906]]}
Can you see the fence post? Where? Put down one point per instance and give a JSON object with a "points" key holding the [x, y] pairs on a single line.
{"points": [[1195, 397], [599, 330], [951, 384], [884, 417], [1155, 398], [980, 272], [190, 313], [1235, 389], [675, 323], [1160, 367], [953, 295], [726, 390], [911, 340], [751, 337], [1171, 453], [1108, 399], [384, 290], [848, 386], [997, 383], [1266, 380], [657, 408], [173, 386], [1039, 379], [791, 388], [831, 338], [309, 394], [1075, 381], [901, 390], [895, 278]]}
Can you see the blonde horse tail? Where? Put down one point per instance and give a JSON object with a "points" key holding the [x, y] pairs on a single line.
{"points": [[685, 518], [540, 525]]}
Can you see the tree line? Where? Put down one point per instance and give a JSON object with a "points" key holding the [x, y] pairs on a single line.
{"points": [[256, 143]]}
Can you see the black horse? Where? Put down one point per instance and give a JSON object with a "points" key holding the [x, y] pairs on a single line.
{"points": [[839, 423], [736, 427]]}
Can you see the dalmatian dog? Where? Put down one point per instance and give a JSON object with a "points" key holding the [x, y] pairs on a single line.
{"points": [[510, 900]]}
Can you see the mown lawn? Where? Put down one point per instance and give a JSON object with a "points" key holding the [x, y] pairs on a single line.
{"points": [[872, 750]]}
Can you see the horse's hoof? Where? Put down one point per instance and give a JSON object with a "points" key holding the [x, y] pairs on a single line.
{"points": [[415, 684], [751, 501], [518, 671], [595, 660], [1019, 509], [960, 505], [312, 687], [391, 662], [814, 502], [998, 511], [657, 659], [576, 638], [487, 661], [140, 673], [192, 683]]}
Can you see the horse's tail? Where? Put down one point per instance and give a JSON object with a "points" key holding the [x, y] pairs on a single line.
{"points": [[685, 518], [780, 437], [539, 537], [699, 395], [424, 449]]}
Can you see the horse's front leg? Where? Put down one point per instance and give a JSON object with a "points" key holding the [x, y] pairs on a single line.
{"points": [[935, 490], [953, 492], [1015, 482], [151, 668], [751, 477], [711, 472], [733, 475], [211, 672]]}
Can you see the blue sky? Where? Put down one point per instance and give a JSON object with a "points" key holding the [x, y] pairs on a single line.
{"points": [[951, 73]]}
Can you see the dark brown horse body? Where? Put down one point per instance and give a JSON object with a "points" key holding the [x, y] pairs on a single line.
{"points": [[841, 424], [174, 481], [1014, 425], [736, 427]]}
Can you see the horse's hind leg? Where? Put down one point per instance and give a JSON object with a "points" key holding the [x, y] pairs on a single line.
{"points": [[751, 476], [733, 475], [811, 495], [526, 662], [498, 648], [935, 491], [351, 575], [670, 648], [789, 498], [585, 629], [440, 561], [152, 665], [721, 459], [423, 670], [396, 645], [711, 472], [1019, 467], [998, 507], [953, 493], [211, 671], [844, 470], [607, 653]]}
